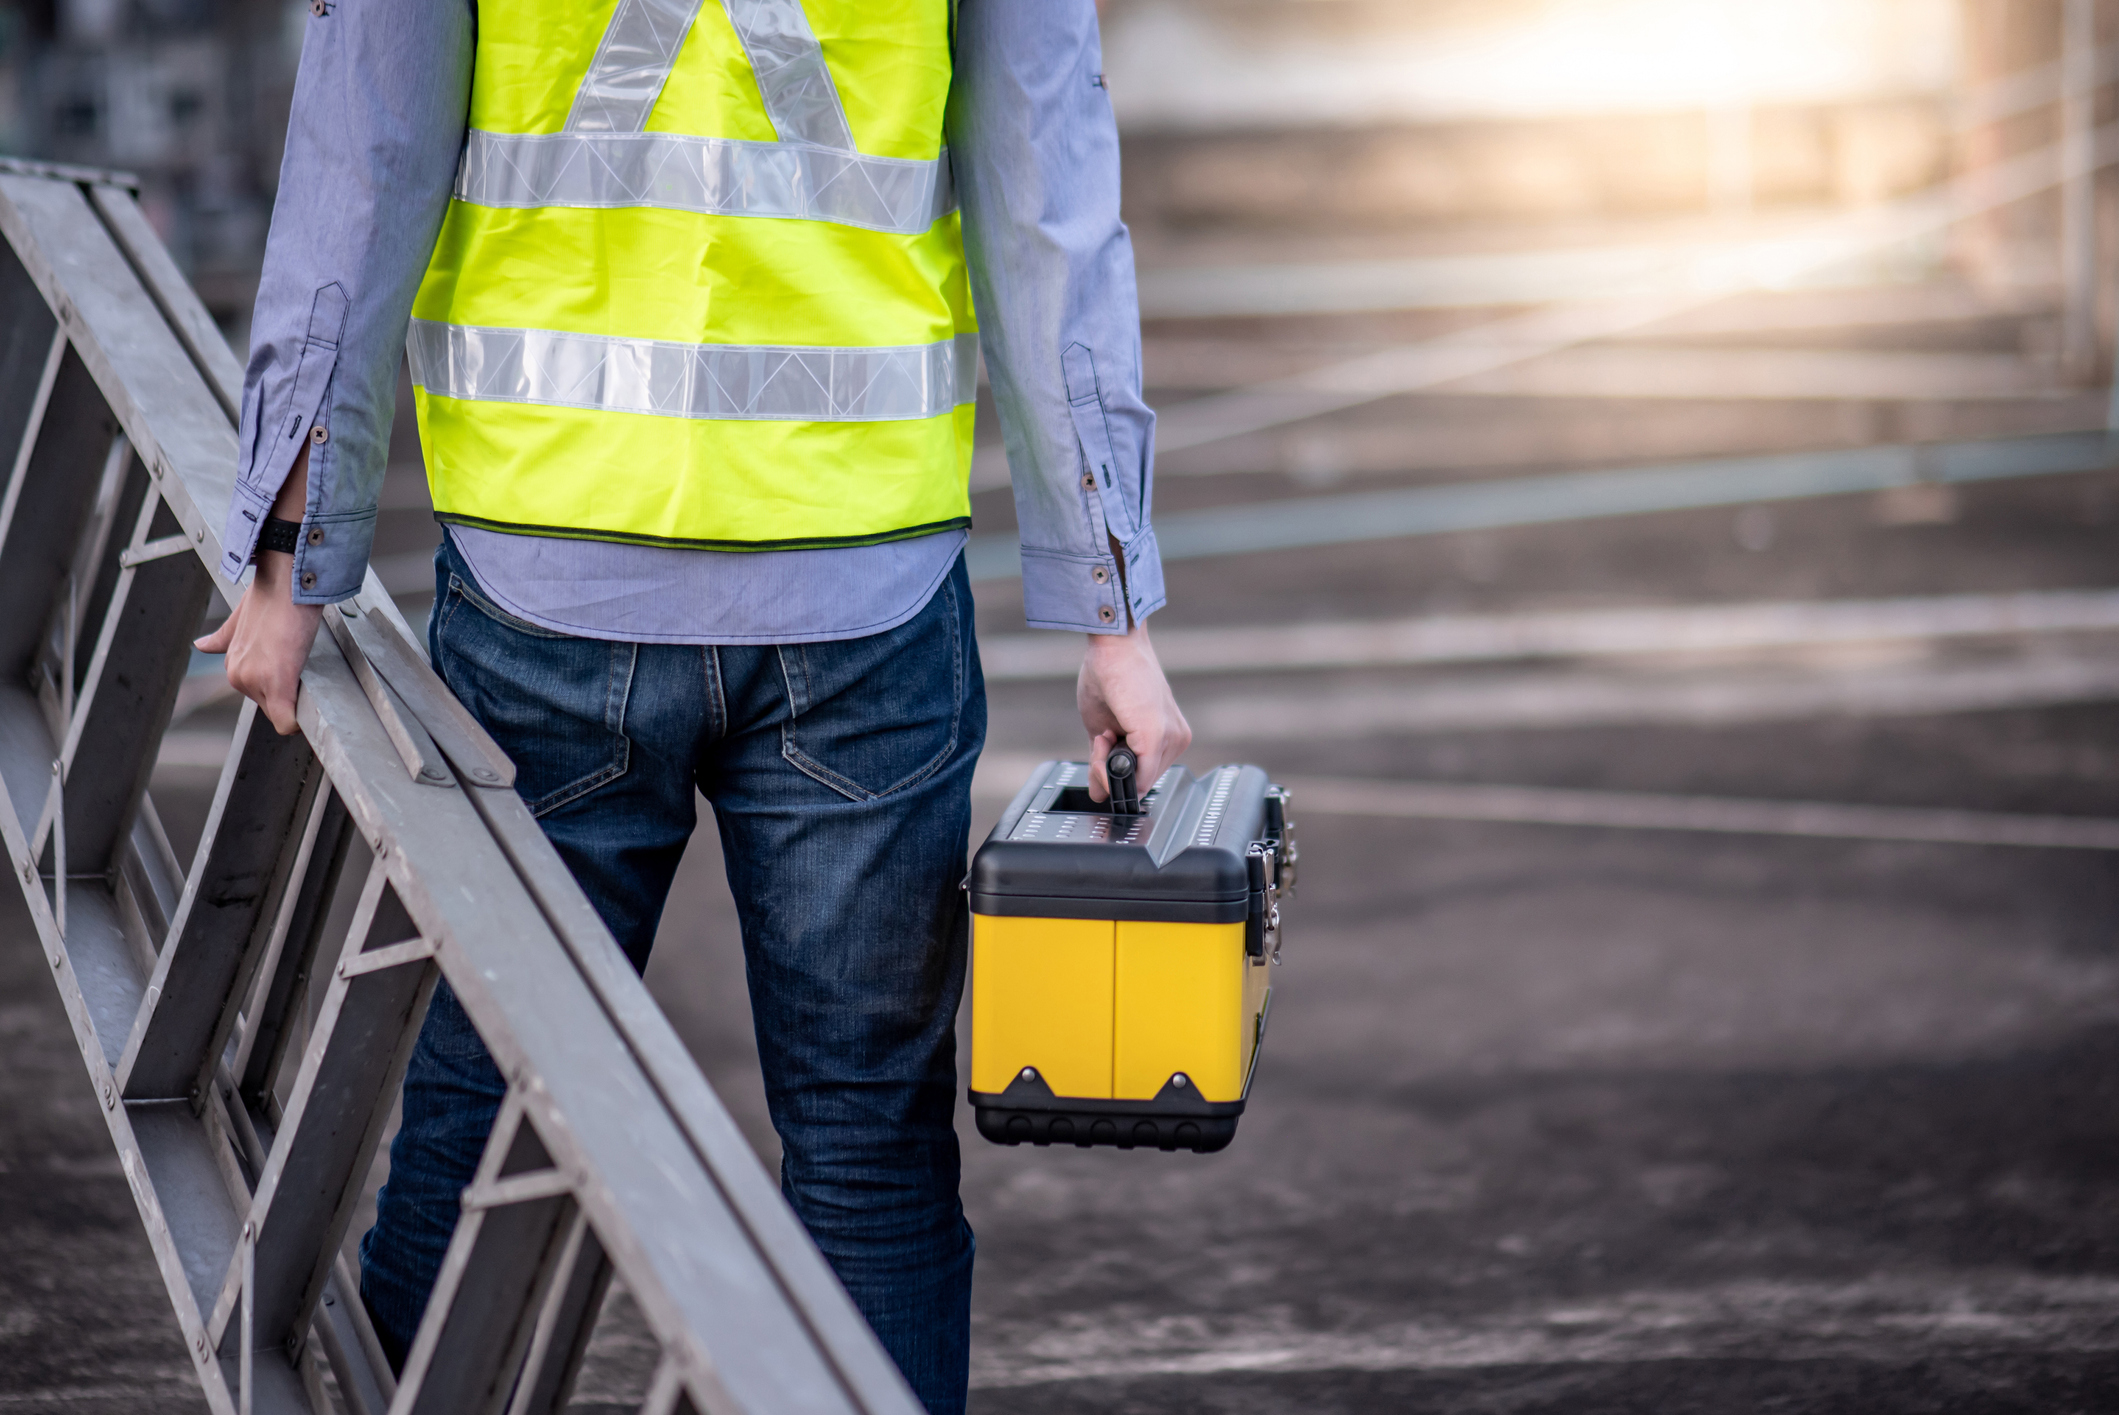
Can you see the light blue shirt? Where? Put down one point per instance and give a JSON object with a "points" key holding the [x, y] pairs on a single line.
{"points": [[372, 147]]}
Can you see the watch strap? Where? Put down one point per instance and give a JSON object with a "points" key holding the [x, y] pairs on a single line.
{"points": [[279, 535]]}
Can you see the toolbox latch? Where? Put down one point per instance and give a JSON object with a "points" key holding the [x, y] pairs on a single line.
{"points": [[1280, 826], [1270, 864], [1261, 935]]}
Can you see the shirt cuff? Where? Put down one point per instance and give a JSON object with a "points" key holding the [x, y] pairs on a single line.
{"points": [[1064, 590], [331, 559], [330, 556]]}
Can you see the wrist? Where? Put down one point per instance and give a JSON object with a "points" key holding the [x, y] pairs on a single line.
{"points": [[275, 572], [1129, 643]]}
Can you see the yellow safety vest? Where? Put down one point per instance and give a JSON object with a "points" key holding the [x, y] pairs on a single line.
{"points": [[701, 281]]}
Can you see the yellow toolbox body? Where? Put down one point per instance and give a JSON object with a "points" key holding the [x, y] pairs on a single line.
{"points": [[1119, 962]]}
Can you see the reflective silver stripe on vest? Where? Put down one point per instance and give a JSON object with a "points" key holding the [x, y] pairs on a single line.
{"points": [[719, 176], [639, 49], [731, 381], [792, 76], [632, 64]]}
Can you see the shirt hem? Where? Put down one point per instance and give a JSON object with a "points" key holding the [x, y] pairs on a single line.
{"points": [[585, 631], [457, 518]]}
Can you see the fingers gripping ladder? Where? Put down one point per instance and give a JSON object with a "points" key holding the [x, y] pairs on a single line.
{"points": [[244, 1049]]}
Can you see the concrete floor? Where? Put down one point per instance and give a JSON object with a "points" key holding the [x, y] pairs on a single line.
{"points": [[1549, 1119]]}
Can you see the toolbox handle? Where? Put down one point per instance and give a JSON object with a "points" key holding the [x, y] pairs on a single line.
{"points": [[1122, 767]]}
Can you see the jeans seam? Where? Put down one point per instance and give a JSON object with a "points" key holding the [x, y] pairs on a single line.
{"points": [[441, 630], [797, 702], [573, 790], [617, 694], [845, 786], [716, 697], [809, 766]]}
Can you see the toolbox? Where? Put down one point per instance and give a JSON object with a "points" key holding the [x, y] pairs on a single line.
{"points": [[1119, 956]]}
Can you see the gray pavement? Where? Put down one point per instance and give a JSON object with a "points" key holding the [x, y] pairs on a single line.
{"points": [[1549, 1118]]}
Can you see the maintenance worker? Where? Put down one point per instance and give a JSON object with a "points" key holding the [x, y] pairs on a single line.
{"points": [[688, 293]]}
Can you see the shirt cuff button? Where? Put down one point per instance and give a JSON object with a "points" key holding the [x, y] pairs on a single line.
{"points": [[309, 581], [1107, 614], [1100, 575], [316, 535]]}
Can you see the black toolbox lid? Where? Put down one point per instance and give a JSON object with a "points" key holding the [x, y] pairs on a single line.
{"points": [[1058, 855]]}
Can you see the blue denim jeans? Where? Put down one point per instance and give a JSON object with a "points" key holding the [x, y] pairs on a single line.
{"points": [[840, 777]]}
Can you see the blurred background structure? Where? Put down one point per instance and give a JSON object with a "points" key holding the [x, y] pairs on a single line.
{"points": [[1641, 470]]}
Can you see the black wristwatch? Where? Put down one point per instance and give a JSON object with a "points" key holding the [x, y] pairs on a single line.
{"points": [[279, 535]]}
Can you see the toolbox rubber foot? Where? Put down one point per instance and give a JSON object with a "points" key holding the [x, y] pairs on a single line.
{"points": [[1202, 1135]]}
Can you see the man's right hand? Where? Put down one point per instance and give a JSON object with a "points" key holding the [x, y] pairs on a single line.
{"points": [[267, 640]]}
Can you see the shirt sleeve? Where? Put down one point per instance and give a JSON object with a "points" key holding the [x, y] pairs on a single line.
{"points": [[380, 100], [1033, 149]]}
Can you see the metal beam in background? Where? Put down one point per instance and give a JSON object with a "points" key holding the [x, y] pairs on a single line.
{"points": [[1628, 630], [1780, 688], [245, 1054], [1299, 522], [1716, 815], [1644, 294], [2078, 189], [1499, 278]]}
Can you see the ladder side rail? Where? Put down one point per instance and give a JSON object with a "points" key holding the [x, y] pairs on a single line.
{"points": [[172, 294], [133, 357], [653, 1198]]}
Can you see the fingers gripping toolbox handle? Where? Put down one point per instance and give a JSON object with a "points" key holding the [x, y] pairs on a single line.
{"points": [[1123, 767]]}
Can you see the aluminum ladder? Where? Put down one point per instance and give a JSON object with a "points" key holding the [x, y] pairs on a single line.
{"points": [[245, 1019]]}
